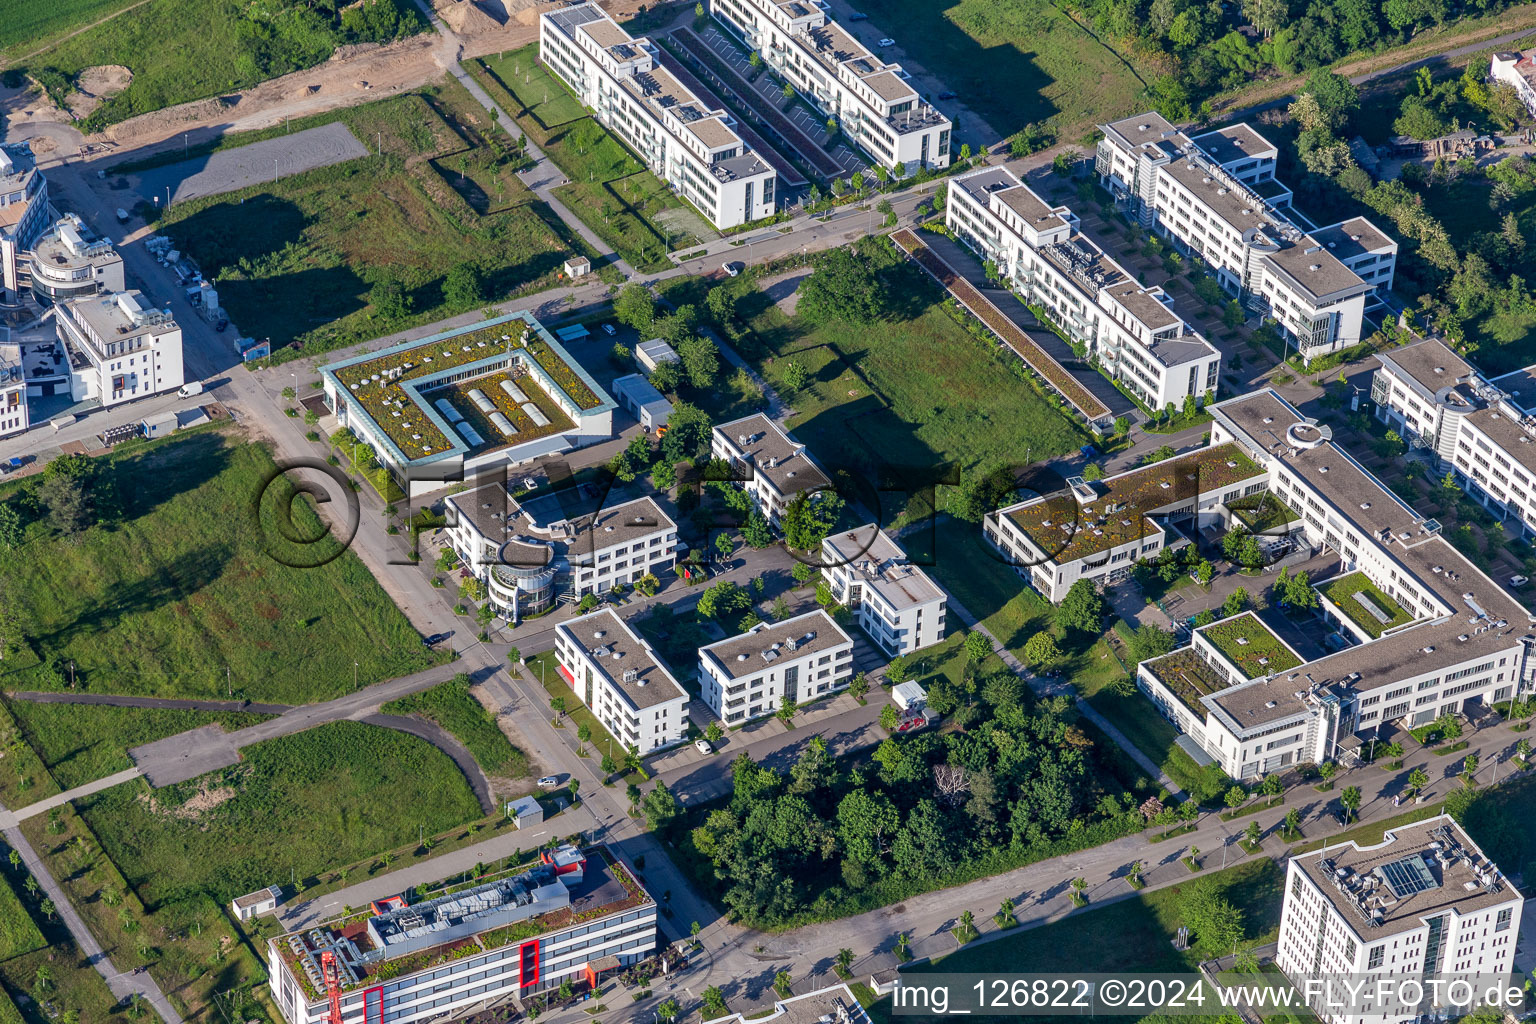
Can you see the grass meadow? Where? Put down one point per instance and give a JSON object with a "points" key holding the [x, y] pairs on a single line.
{"points": [[83, 742], [294, 807], [27, 25], [610, 189], [183, 597], [1014, 62], [296, 261], [452, 706], [18, 932]]}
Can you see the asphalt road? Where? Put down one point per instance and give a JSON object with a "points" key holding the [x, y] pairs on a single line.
{"points": [[251, 164]]}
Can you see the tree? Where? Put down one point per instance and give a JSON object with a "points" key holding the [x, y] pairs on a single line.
{"points": [[1292, 821], [668, 1009], [809, 517], [977, 646], [389, 299], [786, 712], [47, 908], [713, 732], [700, 359], [43, 976], [67, 501], [1449, 726], [1417, 780], [714, 1002], [1235, 602], [889, 718], [1217, 924], [724, 545], [1350, 800], [781, 984], [659, 807], [1272, 785], [842, 287], [1149, 642], [756, 531], [10, 526], [1082, 609], [1327, 770], [1041, 651], [464, 286], [858, 686], [635, 307], [793, 376], [1236, 797], [844, 962], [1253, 833]]}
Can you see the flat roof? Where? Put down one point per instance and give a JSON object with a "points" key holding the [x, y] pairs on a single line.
{"points": [[1314, 269], [121, 316], [625, 660], [1139, 128], [1350, 239], [881, 564], [1144, 304], [1416, 872], [1430, 362], [888, 85], [1033, 210], [1251, 646], [1236, 142], [1066, 530], [813, 633], [1263, 416], [1187, 676], [1520, 386], [775, 454]]}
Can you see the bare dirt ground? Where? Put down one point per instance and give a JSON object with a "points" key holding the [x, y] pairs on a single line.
{"points": [[95, 85]]}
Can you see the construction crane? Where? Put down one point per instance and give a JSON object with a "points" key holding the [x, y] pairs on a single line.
{"points": [[332, 976]]}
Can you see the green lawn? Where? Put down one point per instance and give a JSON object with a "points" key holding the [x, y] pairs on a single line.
{"points": [[18, 933], [1143, 928], [292, 808], [26, 25], [965, 565], [83, 742], [1156, 737], [452, 706], [179, 52], [184, 597], [610, 188], [1014, 61], [296, 261]]}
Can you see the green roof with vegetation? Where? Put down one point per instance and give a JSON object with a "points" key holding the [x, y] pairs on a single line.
{"points": [[1250, 645], [1187, 676], [1354, 595], [1263, 511]]}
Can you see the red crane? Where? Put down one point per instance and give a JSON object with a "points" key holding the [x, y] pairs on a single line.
{"points": [[332, 986]]}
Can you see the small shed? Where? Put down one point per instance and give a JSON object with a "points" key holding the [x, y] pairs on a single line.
{"points": [[159, 426], [578, 266], [641, 400], [909, 696], [651, 354], [253, 904], [525, 810]]}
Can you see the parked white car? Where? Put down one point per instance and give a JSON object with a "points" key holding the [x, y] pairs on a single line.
{"points": [[703, 747]]}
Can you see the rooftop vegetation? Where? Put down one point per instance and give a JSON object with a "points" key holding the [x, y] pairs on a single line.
{"points": [[1188, 677], [1250, 645], [1351, 593]]}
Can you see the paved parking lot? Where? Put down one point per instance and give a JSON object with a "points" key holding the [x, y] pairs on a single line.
{"points": [[253, 164], [786, 170]]}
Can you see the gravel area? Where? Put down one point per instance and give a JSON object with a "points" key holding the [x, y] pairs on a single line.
{"points": [[233, 169]]}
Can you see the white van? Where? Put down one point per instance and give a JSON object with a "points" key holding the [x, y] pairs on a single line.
{"points": [[189, 389]]}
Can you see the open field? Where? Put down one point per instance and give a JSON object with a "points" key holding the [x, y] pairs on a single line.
{"points": [[18, 934], [183, 597], [1014, 62], [179, 53], [293, 807], [26, 25], [297, 261], [610, 189], [452, 706], [83, 742]]}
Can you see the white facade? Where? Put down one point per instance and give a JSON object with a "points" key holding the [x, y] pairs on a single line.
{"points": [[253, 905], [748, 676], [1215, 197], [694, 149], [874, 103], [893, 600], [1424, 903], [24, 213], [1463, 642], [1482, 430], [1131, 330], [449, 987], [1518, 71], [120, 347], [772, 467], [623, 680], [13, 392], [69, 262]]}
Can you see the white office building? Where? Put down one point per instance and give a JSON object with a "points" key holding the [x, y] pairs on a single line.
{"points": [[1215, 196], [533, 552], [24, 213], [70, 262], [873, 102], [571, 917], [893, 600], [13, 392], [770, 465], [1516, 69], [1130, 330], [1483, 430], [623, 680], [120, 347], [624, 81], [1418, 631], [1424, 904], [748, 676]]}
